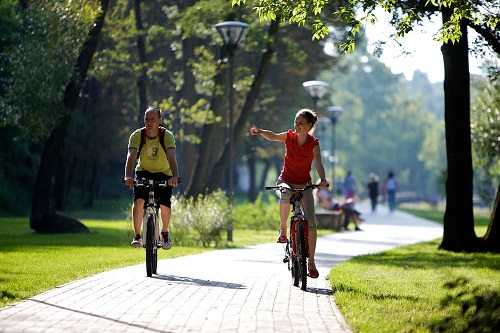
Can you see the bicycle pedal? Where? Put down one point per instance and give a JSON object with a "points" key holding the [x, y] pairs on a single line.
{"points": [[285, 260]]}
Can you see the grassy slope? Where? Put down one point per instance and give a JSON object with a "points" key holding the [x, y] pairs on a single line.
{"points": [[402, 290]]}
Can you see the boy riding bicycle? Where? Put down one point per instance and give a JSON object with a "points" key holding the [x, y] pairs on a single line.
{"points": [[156, 161]]}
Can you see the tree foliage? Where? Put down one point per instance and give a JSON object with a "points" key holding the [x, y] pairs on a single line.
{"points": [[384, 126], [319, 14], [38, 62], [485, 133]]}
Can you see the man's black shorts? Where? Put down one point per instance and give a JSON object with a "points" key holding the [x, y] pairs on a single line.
{"points": [[164, 193]]}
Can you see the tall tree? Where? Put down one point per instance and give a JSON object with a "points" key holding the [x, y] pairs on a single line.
{"points": [[457, 15], [43, 111], [43, 217], [142, 81]]}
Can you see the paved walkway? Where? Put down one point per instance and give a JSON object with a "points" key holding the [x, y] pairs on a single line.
{"points": [[236, 290]]}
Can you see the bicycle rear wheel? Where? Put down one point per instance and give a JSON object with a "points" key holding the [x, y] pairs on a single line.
{"points": [[149, 245], [301, 255]]}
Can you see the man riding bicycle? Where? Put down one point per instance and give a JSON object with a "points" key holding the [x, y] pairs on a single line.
{"points": [[156, 161]]}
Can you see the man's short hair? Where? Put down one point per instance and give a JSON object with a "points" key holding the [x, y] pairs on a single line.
{"points": [[157, 109]]}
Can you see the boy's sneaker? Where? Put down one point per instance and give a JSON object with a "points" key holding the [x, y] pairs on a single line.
{"points": [[137, 241], [167, 243]]}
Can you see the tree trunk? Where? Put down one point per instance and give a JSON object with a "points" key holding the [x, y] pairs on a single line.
{"points": [[246, 113], [209, 149], [92, 184], [492, 236], [267, 166], [458, 221], [188, 155], [142, 81], [252, 171], [43, 217], [61, 186]]}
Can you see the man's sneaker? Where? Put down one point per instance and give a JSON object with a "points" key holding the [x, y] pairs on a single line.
{"points": [[167, 243], [137, 241]]}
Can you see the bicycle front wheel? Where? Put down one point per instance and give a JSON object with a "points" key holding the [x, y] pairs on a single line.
{"points": [[294, 259], [301, 255], [149, 245]]}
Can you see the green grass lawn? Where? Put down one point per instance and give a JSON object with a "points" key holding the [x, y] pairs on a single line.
{"points": [[403, 290]]}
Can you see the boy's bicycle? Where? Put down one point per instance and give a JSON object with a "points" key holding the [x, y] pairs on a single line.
{"points": [[151, 224], [297, 247]]}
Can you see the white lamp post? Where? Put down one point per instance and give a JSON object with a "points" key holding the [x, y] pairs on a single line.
{"points": [[231, 32]]}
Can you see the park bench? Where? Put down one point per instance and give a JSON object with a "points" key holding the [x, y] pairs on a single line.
{"points": [[403, 197], [329, 219]]}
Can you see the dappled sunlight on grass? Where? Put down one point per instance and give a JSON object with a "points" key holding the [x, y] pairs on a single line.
{"points": [[403, 288]]}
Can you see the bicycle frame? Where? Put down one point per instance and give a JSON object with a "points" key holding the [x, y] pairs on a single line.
{"points": [[151, 224], [151, 208], [298, 217]]}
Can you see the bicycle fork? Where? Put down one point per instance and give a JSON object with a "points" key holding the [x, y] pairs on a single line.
{"points": [[286, 259]]}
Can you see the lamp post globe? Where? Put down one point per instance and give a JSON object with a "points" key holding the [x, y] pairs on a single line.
{"points": [[316, 90], [231, 32]]}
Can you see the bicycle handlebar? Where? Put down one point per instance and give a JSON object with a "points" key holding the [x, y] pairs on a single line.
{"points": [[147, 182], [285, 187]]}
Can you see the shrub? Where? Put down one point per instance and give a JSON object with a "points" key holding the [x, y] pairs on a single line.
{"points": [[207, 217], [263, 214]]}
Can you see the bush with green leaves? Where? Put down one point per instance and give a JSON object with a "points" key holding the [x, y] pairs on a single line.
{"points": [[206, 218], [263, 214]]}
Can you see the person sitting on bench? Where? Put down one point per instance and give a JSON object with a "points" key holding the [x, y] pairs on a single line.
{"points": [[326, 199]]}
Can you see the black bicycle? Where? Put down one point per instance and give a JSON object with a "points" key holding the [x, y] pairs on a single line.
{"points": [[297, 247], [151, 224]]}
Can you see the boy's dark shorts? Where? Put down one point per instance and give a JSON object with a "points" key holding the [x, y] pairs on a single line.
{"points": [[164, 193]]}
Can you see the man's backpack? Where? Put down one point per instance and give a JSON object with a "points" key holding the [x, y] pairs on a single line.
{"points": [[161, 137]]}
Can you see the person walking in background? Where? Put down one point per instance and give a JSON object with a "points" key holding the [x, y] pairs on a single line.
{"points": [[373, 191], [390, 188], [350, 186], [301, 149], [339, 187]]}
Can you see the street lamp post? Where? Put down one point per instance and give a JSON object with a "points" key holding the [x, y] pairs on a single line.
{"points": [[231, 32], [316, 90], [333, 113]]}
